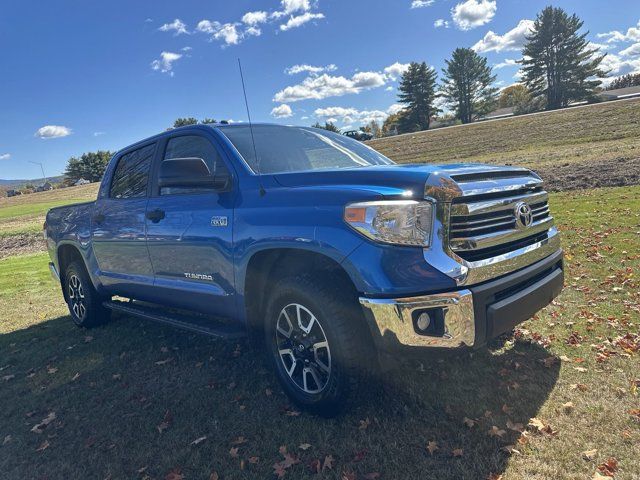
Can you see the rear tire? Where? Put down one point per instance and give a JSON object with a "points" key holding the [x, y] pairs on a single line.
{"points": [[318, 343], [84, 302]]}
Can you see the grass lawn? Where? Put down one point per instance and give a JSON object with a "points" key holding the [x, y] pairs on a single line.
{"points": [[137, 400]]}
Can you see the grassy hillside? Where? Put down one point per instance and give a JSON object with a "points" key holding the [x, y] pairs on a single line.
{"points": [[134, 399], [594, 134]]}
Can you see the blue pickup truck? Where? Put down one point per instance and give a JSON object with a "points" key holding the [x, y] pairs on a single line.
{"points": [[332, 254]]}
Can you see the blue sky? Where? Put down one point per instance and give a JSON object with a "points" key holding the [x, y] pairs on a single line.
{"points": [[80, 76]]}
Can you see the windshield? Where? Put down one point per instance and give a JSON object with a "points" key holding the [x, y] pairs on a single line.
{"points": [[284, 149]]}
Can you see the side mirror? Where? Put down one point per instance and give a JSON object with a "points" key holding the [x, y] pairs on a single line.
{"points": [[191, 172]]}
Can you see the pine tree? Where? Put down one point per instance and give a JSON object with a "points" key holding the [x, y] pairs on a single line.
{"points": [[467, 85], [557, 62], [417, 92]]}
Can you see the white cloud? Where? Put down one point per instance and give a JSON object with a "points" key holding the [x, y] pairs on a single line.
{"points": [[617, 65], [514, 39], [395, 108], [226, 32], [5, 156], [324, 86], [53, 131], [421, 3], [177, 25], [507, 62], [98, 134], [299, 20], [473, 13], [631, 35], [293, 70], [292, 6], [186, 49], [441, 23], [389, 88], [350, 115], [254, 18], [282, 111], [165, 63], [632, 51], [396, 70]]}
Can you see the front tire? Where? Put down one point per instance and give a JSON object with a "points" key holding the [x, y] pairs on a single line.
{"points": [[84, 302], [318, 343]]}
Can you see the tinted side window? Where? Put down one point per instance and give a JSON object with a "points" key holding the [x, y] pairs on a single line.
{"points": [[132, 173], [192, 146]]}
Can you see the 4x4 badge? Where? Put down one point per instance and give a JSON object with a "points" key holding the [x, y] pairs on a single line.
{"points": [[219, 221]]}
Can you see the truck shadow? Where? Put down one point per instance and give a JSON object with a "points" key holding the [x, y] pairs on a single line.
{"points": [[134, 394]]}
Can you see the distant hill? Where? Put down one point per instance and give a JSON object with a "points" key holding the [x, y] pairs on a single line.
{"points": [[35, 181]]}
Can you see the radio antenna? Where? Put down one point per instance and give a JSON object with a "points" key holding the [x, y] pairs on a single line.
{"points": [[253, 140]]}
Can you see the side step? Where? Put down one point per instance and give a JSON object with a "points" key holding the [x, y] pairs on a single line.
{"points": [[197, 323]]}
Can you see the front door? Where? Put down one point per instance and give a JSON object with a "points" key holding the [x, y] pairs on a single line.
{"points": [[189, 234], [118, 226]]}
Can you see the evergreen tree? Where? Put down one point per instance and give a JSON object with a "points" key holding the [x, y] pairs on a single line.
{"points": [[327, 126], [467, 85], [629, 80], [181, 122], [417, 92], [557, 62]]}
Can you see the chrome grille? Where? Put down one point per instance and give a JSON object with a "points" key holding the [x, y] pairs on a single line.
{"points": [[484, 226]]}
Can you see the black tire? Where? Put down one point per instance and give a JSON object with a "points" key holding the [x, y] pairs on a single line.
{"points": [[84, 302], [349, 353]]}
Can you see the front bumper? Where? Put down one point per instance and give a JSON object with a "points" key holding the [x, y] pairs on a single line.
{"points": [[471, 316]]}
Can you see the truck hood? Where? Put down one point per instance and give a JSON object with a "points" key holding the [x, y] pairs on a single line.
{"points": [[443, 182]]}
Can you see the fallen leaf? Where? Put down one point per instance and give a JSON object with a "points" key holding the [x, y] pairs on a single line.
{"points": [[233, 451], [6, 440], [254, 460], [536, 424], [348, 476], [511, 449], [38, 428], [116, 376], [364, 424], [457, 452], [87, 338], [432, 447], [568, 407], [279, 470], [328, 463], [579, 386], [166, 422], [590, 454], [199, 440], [507, 409], [496, 432], [268, 392], [494, 476], [43, 446], [214, 476], [239, 441], [52, 370], [164, 362], [75, 377], [517, 427], [609, 467], [468, 422], [304, 446], [6, 378], [580, 369], [174, 475]]}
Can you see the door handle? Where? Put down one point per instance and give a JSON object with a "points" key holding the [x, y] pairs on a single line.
{"points": [[99, 218], [155, 215]]}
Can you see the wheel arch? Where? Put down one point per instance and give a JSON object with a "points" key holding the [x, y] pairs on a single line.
{"points": [[66, 254], [266, 266]]}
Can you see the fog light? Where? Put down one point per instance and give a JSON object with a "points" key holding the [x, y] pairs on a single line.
{"points": [[423, 322]]}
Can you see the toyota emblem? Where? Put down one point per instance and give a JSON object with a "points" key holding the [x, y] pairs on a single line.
{"points": [[523, 214]]}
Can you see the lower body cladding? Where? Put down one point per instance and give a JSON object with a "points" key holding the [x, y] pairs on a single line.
{"points": [[464, 318]]}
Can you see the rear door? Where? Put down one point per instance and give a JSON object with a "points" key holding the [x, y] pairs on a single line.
{"points": [[189, 233], [118, 226]]}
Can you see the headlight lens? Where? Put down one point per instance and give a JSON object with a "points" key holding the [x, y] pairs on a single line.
{"points": [[401, 222]]}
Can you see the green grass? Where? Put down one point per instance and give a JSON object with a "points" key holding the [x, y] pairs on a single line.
{"points": [[597, 133], [109, 393]]}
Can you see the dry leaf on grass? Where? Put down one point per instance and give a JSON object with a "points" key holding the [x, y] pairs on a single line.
{"points": [[304, 446], [39, 428], [496, 432], [199, 440], [166, 422], [457, 452], [468, 422], [43, 446], [432, 447], [609, 467], [590, 454], [568, 407]]}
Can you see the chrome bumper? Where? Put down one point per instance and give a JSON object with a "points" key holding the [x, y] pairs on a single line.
{"points": [[394, 317], [54, 272]]}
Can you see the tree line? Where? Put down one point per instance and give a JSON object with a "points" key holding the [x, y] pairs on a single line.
{"points": [[558, 67]]}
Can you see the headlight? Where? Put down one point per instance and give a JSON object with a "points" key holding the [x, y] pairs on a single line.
{"points": [[402, 222]]}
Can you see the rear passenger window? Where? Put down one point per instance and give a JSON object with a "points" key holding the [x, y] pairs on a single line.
{"points": [[132, 173], [192, 146]]}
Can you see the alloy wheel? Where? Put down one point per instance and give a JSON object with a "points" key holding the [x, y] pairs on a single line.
{"points": [[75, 293], [303, 348]]}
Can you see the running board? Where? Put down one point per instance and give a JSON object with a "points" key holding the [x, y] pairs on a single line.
{"points": [[201, 325]]}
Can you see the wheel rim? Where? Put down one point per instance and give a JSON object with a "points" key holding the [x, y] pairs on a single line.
{"points": [[303, 348], [75, 292]]}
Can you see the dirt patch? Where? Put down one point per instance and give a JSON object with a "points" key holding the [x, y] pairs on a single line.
{"points": [[21, 244], [616, 172]]}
